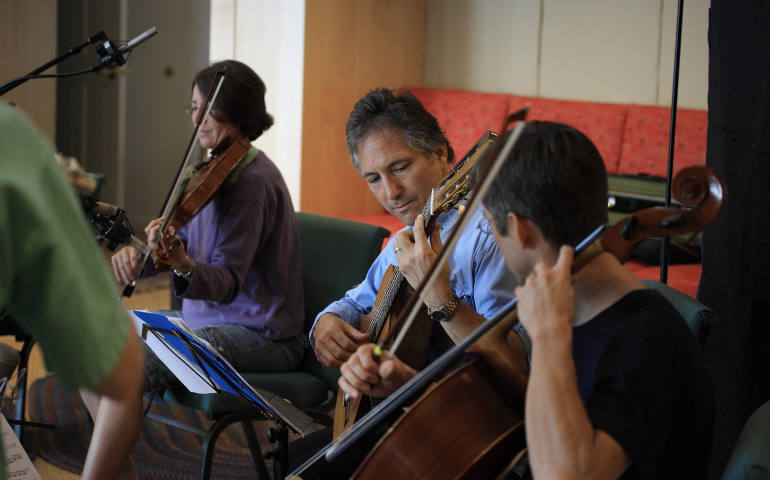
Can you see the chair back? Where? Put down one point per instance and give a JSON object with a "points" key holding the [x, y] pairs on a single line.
{"points": [[336, 254], [750, 458], [698, 317]]}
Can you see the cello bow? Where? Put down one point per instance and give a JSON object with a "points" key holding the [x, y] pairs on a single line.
{"points": [[698, 188]]}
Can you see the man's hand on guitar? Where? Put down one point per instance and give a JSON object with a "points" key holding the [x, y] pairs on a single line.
{"points": [[415, 257], [362, 374], [335, 341]]}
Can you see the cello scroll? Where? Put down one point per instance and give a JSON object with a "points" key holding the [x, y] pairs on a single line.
{"points": [[702, 192]]}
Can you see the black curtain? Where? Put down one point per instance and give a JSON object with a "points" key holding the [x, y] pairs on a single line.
{"points": [[736, 266]]}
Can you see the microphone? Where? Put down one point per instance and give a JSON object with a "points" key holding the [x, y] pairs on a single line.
{"points": [[110, 54], [94, 207], [105, 209]]}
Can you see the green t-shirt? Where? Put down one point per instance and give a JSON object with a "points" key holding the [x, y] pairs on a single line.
{"points": [[53, 277]]}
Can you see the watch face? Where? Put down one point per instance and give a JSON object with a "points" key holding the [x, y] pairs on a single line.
{"points": [[438, 316]]}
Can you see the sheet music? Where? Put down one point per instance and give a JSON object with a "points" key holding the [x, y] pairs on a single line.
{"points": [[186, 371], [17, 462], [180, 356]]}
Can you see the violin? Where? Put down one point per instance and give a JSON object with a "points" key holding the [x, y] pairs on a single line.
{"points": [[470, 402], [193, 187], [394, 292], [197, 193]]}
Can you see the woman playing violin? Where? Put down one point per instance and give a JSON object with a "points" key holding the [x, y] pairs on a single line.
{"points": [[236, 264]]}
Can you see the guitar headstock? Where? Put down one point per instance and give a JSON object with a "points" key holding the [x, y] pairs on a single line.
{"points": [[456, 186]]}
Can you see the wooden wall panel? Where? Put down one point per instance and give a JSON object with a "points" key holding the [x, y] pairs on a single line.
{"points": [[28, 37], [351, 46]]}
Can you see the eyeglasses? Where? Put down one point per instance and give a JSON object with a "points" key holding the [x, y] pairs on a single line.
{"points": [[193, 108]]}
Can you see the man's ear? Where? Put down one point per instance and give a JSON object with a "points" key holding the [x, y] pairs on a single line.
{"points": [[521, 228], [443, 154]]}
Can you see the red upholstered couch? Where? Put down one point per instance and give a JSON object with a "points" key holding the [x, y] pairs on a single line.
{"points": [[632, 139]]}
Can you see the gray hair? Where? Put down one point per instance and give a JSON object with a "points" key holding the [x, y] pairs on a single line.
{"points": [[383, 109]]}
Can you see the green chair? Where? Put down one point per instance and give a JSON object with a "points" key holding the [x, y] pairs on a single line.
{"points": [[750, 459], [698, 317], [336, 254]]}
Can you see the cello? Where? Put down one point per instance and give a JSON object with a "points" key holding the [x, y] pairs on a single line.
{"points": [[419, 446]]}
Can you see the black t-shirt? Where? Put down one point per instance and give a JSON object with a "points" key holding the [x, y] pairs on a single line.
{"points": [[643, 380]]}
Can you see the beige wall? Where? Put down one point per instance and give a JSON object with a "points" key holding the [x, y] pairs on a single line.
{"points": [[597, 50], [269, 37], [28, 37]]}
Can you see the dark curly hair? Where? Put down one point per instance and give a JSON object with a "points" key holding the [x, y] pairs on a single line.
{"points": [[241, 100], [383, 109], [554, 177]]}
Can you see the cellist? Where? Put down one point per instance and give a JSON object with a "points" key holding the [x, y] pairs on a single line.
{"points": [[236, 263], [398, 148], [618, 387]]}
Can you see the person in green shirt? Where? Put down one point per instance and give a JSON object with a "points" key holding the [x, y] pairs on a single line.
{"points": [[56, 285]]}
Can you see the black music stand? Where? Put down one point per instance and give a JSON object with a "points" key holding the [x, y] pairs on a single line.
{"points": [[198, 359], [203, 371], [8, 326]]}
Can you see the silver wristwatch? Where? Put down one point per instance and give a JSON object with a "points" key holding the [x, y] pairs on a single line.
{"points": [[186, 275], [444, 312]]}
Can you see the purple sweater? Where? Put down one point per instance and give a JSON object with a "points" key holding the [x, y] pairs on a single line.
{"points": [[245, 243]]}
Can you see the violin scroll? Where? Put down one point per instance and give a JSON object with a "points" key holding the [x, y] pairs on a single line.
{"points": [[698, 188]]}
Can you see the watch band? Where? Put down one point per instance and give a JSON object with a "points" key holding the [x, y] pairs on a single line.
{"points": [[444, 312], [186, 275]]}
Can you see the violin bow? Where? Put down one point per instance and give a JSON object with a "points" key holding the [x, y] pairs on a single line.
{"points": [[177, 189], [180, 182], [419, 381]]}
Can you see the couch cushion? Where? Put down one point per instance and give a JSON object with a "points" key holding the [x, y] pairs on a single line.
{"points": [[463, 116], [603, 123], [645, 140]]}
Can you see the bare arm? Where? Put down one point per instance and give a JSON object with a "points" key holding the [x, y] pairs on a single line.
{"points": [[117, 416], [562, 441]]}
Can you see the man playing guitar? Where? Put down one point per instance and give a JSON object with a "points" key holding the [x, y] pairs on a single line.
{"points": [[399, 149]]}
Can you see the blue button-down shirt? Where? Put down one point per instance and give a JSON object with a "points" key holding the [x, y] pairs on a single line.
{"points": [[479, 275]]}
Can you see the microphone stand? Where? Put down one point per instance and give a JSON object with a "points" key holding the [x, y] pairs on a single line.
{"points": [[11, 84]]}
